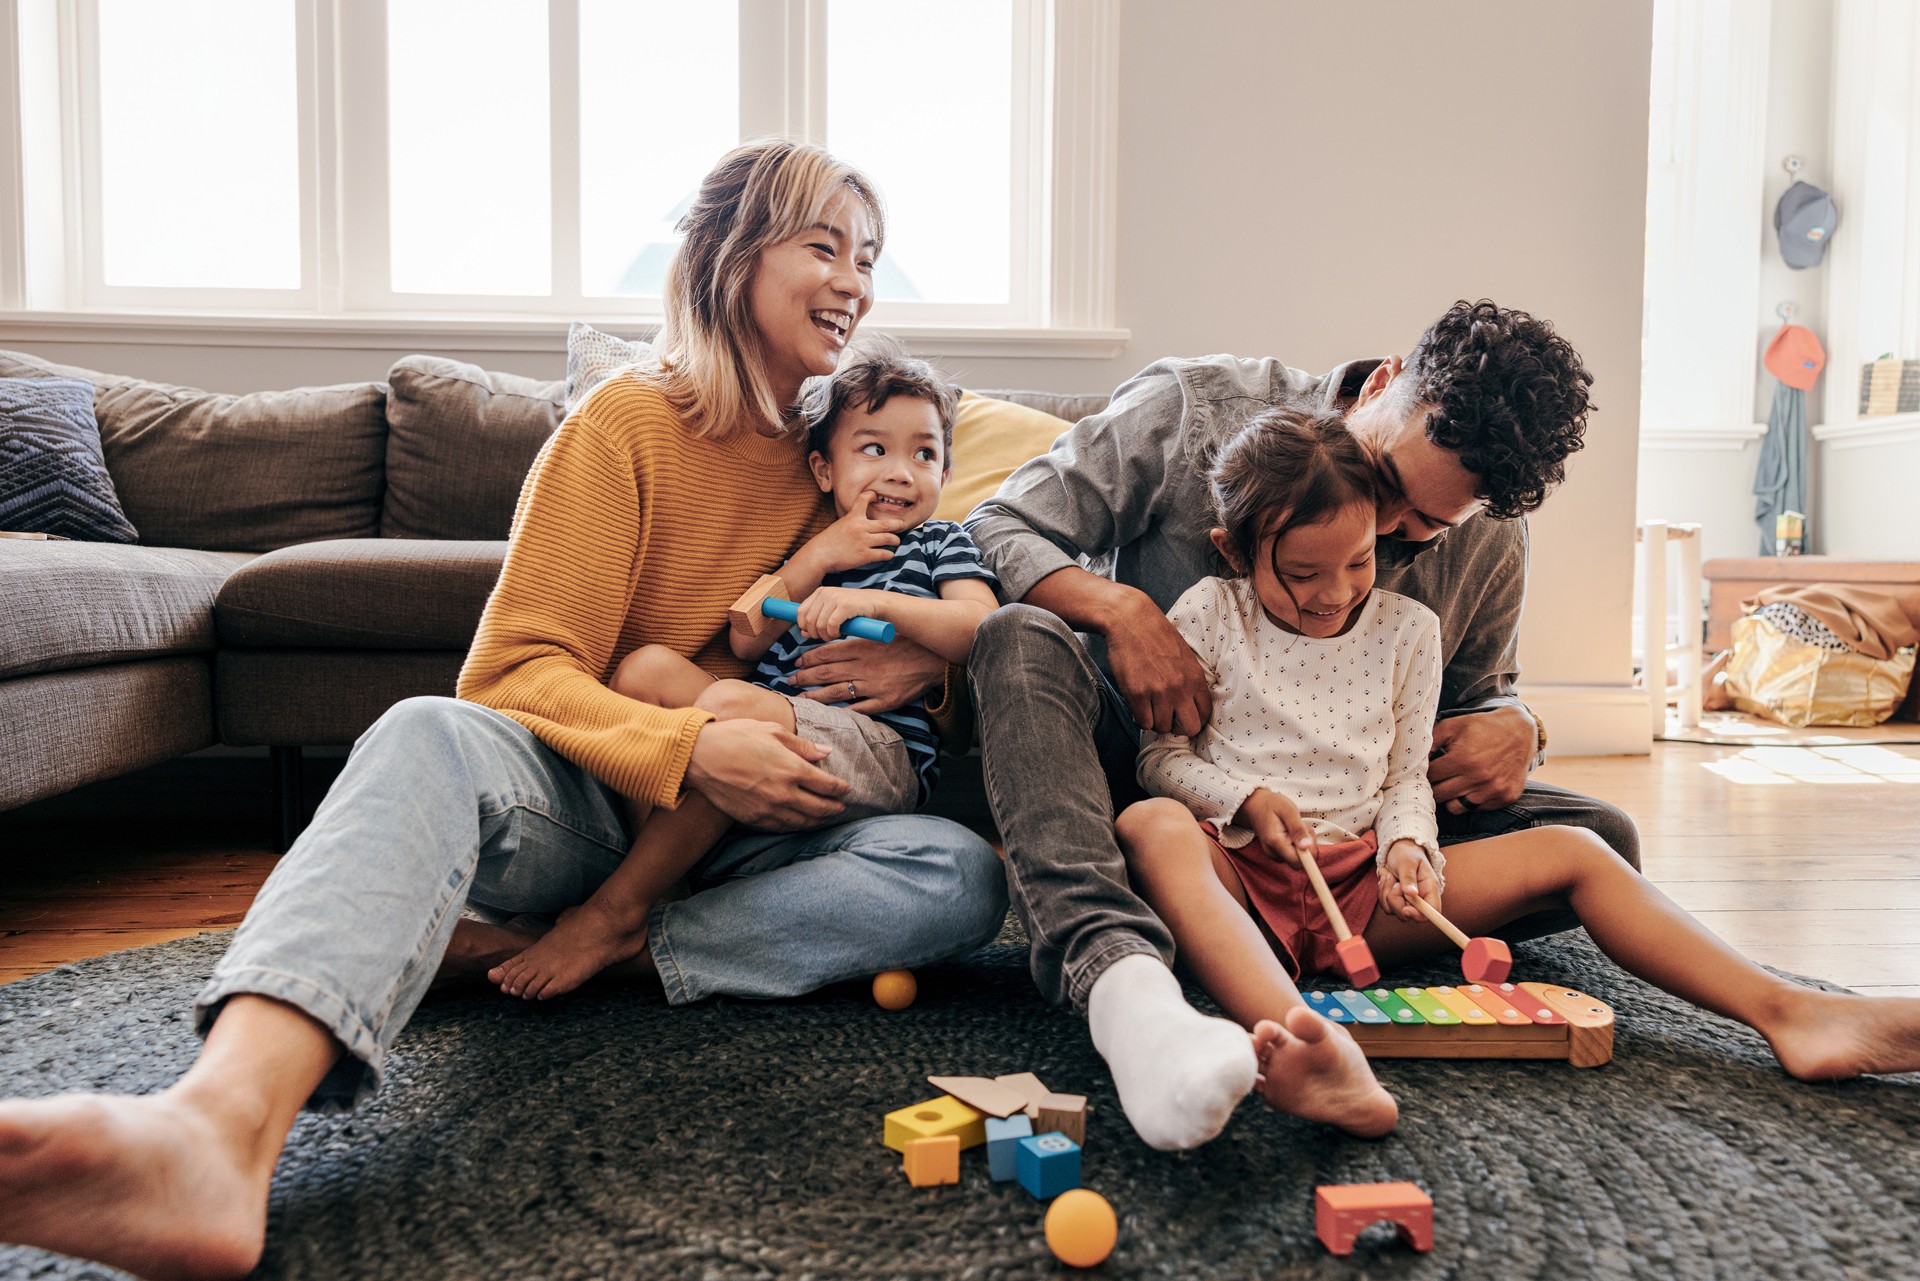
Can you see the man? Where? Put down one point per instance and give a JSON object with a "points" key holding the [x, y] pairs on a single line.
{"points": [[1104, 532]]}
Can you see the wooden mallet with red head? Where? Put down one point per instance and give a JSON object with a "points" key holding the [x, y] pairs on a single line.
{"points": [[1356, 958], [1482, 960]]}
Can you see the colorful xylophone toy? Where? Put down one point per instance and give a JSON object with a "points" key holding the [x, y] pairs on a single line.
{"points": [[1473, 1021]]}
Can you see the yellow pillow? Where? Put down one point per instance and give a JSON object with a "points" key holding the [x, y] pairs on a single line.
{"points": [[990, 439]]}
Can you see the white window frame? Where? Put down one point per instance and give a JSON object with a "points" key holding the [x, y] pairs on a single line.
{"points": [[1873, 261], [1064, 154], [1703, 312]]}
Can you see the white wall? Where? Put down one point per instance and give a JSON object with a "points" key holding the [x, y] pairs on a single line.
{"points": [[1317, 182]]}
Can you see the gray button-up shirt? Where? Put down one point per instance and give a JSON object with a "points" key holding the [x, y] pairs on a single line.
{"points": [[1124, 494]]}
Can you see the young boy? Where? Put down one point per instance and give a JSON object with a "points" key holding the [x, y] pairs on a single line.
{"points": [[880, 436]]}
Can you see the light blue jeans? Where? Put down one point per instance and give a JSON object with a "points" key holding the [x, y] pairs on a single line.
{"points": [[443, 802]]}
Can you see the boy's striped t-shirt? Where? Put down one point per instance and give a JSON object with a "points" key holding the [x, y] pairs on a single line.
{"points": [[927, 556]]}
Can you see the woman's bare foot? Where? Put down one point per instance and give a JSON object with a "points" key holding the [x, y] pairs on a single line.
{"points": [[152, 1185], [478, 947], [586, 940], [1311, 1069], [1831, 1036]]}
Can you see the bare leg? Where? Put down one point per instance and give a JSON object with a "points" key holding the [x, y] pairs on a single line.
{"points": [[1816, 1035], [173, 1184], [1309, 1068], [611, 926]]}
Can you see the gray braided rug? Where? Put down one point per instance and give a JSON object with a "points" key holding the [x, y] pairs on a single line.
{"points": [[604, 1137]]}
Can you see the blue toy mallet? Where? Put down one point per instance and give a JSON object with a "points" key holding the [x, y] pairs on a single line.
{"points": [[767, 599]]}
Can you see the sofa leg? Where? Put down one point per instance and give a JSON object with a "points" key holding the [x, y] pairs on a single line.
{"points": [[289, 804]]}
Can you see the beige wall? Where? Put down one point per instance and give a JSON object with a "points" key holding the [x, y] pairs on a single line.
{"points": [[1318, 181]]}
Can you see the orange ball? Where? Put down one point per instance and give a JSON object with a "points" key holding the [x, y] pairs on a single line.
{"points": [[895, 989], [1081, 1228]]}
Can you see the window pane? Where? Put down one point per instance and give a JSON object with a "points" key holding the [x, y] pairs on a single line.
{"points": [[659, 103], [199, 144], [468, 156], [920, 96]]}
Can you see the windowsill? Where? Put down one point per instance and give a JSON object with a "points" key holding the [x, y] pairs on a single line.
{"points": [[1730, 436], [368, 332]]}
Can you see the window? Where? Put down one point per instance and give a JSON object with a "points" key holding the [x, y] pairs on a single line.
{"points": [[530, 157]]}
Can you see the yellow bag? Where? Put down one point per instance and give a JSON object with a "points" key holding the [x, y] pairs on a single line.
{"points": [[1785, 679]]}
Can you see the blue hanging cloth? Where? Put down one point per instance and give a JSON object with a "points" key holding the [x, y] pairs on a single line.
{"points": [[1780, 482]]}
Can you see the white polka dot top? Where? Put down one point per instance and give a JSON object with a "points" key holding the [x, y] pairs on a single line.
{"points": [[1340, 726]]}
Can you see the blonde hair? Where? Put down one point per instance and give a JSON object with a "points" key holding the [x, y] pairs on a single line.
{"points": [[709, 355]]}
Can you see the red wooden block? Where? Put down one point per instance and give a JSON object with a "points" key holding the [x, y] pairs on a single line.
{"points": [[1341, 1211], [1356, 958], [1486, 961]]}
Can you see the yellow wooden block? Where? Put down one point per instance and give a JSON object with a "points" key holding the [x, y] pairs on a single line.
{"points": [[932, 1119], [931, 1162]]}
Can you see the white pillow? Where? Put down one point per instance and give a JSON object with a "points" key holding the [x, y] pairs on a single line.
{"points": [[594, 357]]}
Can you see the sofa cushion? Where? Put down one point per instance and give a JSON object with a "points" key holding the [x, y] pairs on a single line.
{"points": [[460, 442], [593, 357], [362, 593], [991, 437], [53, 478], [236, 473], [1070, 407], [59, 730], [66, 605]]}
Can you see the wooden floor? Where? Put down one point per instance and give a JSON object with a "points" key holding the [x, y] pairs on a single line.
{"points": [[1804, 858]]}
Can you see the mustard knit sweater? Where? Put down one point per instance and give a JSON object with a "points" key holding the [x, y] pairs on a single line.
{"points": [[630, 531]]}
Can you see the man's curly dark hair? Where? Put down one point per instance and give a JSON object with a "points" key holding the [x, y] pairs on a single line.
{"points": [[1510, 399]]}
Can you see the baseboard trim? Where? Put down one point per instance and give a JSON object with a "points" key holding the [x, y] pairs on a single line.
{"points": [[1592, 720]]}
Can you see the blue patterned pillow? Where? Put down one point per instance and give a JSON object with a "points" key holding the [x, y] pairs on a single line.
{"points": [[53, 476]]}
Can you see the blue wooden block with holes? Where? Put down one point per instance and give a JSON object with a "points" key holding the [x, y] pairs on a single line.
{"points": [[1048, 1164], [1003, 1144]]}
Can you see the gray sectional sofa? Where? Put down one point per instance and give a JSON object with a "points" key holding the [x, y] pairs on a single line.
{"points": [[307, 559]]}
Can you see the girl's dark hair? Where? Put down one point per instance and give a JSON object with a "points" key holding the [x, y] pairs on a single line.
{"points": [[1306, 466]]}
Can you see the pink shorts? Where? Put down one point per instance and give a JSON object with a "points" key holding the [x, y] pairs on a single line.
{"points": [[1282, 898]]}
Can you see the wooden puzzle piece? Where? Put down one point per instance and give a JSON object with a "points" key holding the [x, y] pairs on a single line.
{"points": [[981, 1094]]}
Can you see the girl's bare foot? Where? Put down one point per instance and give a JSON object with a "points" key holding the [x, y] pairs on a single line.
{"points": [[152, 1185], [1311, 1069], [1831, 1036], [586, 940]]}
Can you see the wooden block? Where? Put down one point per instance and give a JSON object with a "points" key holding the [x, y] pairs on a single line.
{"points": [[1341, 1211], [1003, 1145], [933, 1161], [746, 616], [1591, 1021], [981, 1094], [1048, 1164], [930, 1120], [1463, 1006], [1065, 1114]]}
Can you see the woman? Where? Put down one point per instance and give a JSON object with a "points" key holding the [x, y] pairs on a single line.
{"points": [[661, 499]]}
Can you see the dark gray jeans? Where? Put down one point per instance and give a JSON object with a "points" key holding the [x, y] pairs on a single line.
{"points": [[1058, 747]]}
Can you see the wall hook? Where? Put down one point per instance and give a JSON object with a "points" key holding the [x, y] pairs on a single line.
{"points": [[1793, 165], [1786, 311]]}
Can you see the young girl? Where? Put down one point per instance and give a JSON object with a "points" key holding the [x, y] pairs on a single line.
{"points": [[1324, 693]]}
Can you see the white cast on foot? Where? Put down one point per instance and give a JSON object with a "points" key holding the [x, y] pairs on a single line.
{"points": [[1180, 1074]]}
